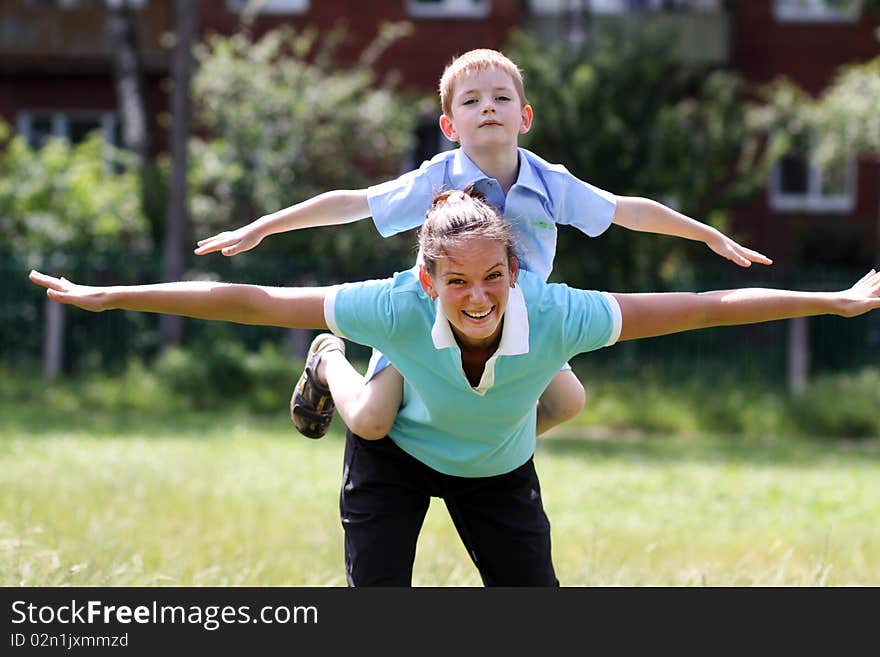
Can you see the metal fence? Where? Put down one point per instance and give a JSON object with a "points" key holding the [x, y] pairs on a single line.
{"points": [[107, 340]]}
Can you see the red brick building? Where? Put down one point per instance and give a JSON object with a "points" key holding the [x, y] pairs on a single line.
{"points": [[56, 75]]}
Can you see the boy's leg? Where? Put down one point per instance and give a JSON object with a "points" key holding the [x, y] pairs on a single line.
{"points": [[368, 407], [563, 399]]}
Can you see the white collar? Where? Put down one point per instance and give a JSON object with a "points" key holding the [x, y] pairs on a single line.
{"points": [[514, 335]]}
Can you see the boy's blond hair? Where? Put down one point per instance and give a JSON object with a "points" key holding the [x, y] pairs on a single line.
{"points": [[475, 61]]}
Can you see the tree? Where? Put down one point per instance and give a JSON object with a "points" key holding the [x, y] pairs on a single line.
{"points": [[287, 122], [176, 220], [846, 120], [65, 203]]}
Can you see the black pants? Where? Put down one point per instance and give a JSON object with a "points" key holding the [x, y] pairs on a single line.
{"points": [[384, 499]]}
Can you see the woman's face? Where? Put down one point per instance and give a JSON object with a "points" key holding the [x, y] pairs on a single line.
{"points": [[473, 281]]}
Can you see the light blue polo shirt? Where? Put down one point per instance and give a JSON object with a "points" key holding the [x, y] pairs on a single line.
{"points": [[444, 422], [544, 195]]}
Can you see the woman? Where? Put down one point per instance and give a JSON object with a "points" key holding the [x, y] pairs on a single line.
{"points": [[476, 341]]}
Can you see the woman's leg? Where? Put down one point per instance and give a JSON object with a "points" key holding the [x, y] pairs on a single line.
{"points": [[563, 399], [502, 523], [383, 502]]}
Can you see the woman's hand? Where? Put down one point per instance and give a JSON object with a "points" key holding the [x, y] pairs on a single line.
{"points": [[62, 290], [861, 297]]}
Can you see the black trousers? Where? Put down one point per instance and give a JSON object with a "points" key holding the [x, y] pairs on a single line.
{"points": [[385, 496]]}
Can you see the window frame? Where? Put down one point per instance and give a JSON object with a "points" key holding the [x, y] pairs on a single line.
{"points": [[61, 119], [814, 11], [814, 201], [469, 9], [271, 7]]}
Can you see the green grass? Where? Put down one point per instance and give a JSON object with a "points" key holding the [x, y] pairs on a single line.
{"points": [[140, 499]]}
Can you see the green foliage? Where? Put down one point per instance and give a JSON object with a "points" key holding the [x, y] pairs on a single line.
{"points": [[832, 405], [62, 198], [286, 123], [841, 405], [223, 375], [625, 115]]}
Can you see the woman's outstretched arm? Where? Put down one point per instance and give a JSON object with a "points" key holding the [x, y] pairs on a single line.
{"points": [[290, 307], [647, 315]]}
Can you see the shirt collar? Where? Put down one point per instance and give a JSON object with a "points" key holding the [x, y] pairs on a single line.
{"points": [[514, 335], [464, 172]]}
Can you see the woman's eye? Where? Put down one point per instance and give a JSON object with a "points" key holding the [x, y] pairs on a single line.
{"points": [[494, 275]]}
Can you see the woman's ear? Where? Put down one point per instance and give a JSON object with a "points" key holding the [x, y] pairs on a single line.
{"points": [[513, 266], [427, 283], [448, 128]]}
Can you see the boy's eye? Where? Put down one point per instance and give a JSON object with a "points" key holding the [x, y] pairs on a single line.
{"points": [[503, 98], [470, 101]]}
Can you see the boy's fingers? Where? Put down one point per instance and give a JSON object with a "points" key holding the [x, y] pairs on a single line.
{"points": [[754, 256]]}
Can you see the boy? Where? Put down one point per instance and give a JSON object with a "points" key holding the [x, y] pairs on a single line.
{"points": [[484, 109]]}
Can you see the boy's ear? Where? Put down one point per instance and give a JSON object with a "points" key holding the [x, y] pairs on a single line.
{"points": [[526, 115], [448, 128], [427, 283]]}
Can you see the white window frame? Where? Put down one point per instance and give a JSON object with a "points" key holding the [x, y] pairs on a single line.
{"points": [[813, 200], [560, 7], [474, 9], [815, 11], [60, 120], [79, 4], [270, 7]]}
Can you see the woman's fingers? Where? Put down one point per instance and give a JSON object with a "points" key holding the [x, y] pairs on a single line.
{"points": [[48, 281]]}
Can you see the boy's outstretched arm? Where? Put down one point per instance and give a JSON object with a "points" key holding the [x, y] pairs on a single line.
{"points": [[289, 307], [645, 215], [341, 206], [648, 315]]}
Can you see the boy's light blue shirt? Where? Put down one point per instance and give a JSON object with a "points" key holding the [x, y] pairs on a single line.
{"points": [[544, 195], [444, 422]]}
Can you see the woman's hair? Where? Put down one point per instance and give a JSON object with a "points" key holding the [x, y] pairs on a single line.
{"points": [[476, 61], [456, 216]]}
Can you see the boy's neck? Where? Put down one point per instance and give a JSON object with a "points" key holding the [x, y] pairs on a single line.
{"points": [[502, 165]]}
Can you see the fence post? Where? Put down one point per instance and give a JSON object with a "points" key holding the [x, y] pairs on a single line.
{"points": [[798, 353], [53, 340]]}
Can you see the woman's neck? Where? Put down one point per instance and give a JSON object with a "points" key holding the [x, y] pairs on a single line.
{"points": [[474, 355], [500, 164]]}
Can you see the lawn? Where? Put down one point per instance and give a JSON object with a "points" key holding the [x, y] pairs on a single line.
{"points": [[109, 499]]}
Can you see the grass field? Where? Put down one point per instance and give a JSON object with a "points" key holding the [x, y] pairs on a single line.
{"points": [[106, 499]]}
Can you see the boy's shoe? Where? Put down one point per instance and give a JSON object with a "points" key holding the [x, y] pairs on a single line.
{"points": [[311, 406]]}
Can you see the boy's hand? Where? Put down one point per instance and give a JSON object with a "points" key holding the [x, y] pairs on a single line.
{"points": [[230, 242], [727, 248], [63, 291]]}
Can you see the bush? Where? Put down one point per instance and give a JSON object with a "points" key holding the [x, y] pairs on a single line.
{"points": [[846, 405]]}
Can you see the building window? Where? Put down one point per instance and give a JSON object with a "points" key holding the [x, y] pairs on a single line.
{"points": [[37, 126], [829, 11], [799, 183], [558, 7], [277, 7], [448, 8], [84, 4]]}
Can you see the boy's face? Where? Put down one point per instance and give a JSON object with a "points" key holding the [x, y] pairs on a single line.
{"points": [[486, 111]]}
